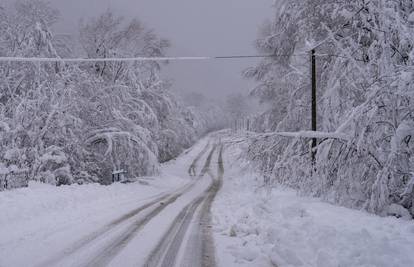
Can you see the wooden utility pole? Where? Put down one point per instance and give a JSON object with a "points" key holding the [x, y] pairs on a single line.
{"points": [[314, 103]]}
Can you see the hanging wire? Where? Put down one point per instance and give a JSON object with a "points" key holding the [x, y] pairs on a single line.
{"points": [[132, 59], [165, 59]]}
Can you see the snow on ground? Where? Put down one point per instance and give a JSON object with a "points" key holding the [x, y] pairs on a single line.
{"points": [[38, 221], [252, 226], [29, 204], [280, 228], [35, 218]]}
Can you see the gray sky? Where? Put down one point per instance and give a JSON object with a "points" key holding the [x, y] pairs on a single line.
{"points": [[195, 28]]}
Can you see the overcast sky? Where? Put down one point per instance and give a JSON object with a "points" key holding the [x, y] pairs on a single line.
{"points": [[195, 28]]}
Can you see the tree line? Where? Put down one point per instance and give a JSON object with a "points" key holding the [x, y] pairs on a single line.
{"points": [[365, 81]]}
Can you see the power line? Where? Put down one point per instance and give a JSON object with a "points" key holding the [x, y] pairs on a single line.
{"points": [[255, 56], [160, 59], [79, 60], [134, 59]]}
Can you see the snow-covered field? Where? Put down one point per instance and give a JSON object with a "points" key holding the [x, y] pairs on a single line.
{"points": [[280, 228]]}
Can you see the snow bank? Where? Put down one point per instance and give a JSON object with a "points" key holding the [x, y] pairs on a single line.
{"points": [[257, 227]]}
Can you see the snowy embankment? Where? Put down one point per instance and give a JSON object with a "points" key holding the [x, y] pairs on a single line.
{"points": [[256, 227]]}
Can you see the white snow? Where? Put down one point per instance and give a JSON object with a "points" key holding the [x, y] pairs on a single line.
{"points": [[253, 226], [406, 128], [39, 222], [258, 227], [29, 204], [411, 18], [399, 212], [34, 218], [4, 126], [3, 169]]}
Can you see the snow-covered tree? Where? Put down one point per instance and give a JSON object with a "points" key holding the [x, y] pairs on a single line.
{"points": [[62, 123], [365, 90]]}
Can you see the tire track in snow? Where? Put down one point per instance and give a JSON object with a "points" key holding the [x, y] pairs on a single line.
{"points": [[109, 252], [90, 239], [192, 171], [200, 247], [166, 251], [200, 250], [208, 248], [160, 202], [106, 254]]}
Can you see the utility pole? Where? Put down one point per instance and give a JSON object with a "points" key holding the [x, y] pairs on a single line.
{"points": [[314, 103]]}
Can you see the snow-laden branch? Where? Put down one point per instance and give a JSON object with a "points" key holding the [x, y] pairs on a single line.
{"points": [[311, 134]]}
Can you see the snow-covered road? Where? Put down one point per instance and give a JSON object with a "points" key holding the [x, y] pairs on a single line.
{"points": [[176, 219], [159, 222]]}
